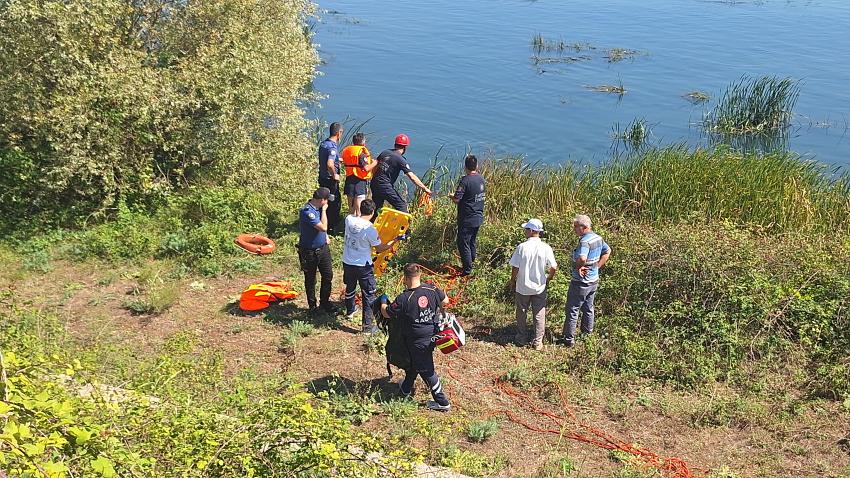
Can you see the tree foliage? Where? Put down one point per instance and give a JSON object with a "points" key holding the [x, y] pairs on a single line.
{"points": [[133, 99]]}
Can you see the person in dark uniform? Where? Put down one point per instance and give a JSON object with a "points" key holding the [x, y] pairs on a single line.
{"points": [[417, 310], [391, 163], [329, 173], [313, 251], [469, 198]]}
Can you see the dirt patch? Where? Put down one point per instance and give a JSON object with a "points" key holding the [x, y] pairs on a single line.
{"points": [[90, 297]]}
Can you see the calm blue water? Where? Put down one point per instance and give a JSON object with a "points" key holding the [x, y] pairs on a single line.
{"points": [[459, 74]]}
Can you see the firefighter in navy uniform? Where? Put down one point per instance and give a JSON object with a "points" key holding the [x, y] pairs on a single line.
{"points": [[329, 173], [417, 311], [391, 163]]}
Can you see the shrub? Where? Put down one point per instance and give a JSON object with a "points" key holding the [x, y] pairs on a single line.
{"points": [[146, 97]]}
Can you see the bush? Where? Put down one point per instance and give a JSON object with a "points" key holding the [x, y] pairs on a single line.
{"points": [[124, 100]]}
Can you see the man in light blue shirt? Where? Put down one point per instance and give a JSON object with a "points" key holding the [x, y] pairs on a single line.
{"points": [[588, 257]]}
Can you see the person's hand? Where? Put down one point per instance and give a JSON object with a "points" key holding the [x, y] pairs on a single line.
{"points": [[336, 177], [427, 190], [324, 207], [329, 239], [583, 270]]}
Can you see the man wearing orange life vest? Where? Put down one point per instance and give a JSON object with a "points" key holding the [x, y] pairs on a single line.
{"points": [[358, 171]]}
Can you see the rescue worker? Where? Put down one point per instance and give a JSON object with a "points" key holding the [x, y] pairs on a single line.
{"points": [[469, 197], [417, 309], [313, 251], [358, 164], [360, 237], [329, 173], [391, 162]]}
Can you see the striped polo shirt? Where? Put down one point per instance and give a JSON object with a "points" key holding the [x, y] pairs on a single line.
{"points": [[590, 247]]}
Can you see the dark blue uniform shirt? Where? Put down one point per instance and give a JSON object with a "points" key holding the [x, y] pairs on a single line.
{"points": [[390, 165], [417, 309], [470, 200], [310, 238], [328, 149]]}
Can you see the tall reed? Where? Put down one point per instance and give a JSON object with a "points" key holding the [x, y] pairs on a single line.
{"points": [[751, 106], [777, 191]]}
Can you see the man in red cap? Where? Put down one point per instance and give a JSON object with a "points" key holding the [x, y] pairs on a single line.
{"points": [[391, 162]]}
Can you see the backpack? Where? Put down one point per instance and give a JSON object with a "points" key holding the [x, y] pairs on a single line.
{"points": [[396, 351]]}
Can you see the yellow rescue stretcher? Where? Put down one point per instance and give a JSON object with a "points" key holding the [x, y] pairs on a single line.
{"points": [[390, 224]]}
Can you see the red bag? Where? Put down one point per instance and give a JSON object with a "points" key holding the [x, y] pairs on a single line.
{"points": [[451, 337]]}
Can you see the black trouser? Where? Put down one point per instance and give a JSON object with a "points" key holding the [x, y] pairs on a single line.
{"points": [[421, 351], [467, 237], [334, 203], [320, 260], [365, 276], [391, 196]]}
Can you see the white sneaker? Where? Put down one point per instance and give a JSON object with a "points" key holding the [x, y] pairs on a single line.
{"points": [[432, 405], [353, 314]]}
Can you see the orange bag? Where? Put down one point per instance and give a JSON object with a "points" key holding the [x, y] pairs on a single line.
{"points": [[259, 296]]}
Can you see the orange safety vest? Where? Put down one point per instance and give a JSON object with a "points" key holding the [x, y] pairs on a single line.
{"points": [[351, 159]]}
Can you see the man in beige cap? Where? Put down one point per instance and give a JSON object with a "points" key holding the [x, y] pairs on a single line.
{"points": [[533, 266]]}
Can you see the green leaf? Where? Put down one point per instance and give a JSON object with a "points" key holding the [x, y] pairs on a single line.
{"points": [[80, 435], [103, 466]]}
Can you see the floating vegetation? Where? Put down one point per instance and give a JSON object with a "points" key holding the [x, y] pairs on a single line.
{"points": [[633, 134], [754, 106], [614, 55], [537, 60], [697, 97], [541, 44], [617, 89]]}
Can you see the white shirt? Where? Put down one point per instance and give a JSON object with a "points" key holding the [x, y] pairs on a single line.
{"points": [[533, 258], [360, 236]]}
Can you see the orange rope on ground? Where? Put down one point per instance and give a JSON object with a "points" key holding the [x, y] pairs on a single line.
{"points": [[426, 204], [674, 467]]}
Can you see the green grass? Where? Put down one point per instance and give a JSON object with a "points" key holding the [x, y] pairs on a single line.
{"points": [[480, 431], [754, 106], [778, 192], [634, 134]]}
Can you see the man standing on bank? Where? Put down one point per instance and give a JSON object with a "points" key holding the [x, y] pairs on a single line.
{"points": [[417, 309], [588, 257], [360, 237], [469, 198], [313, 251], [358, 171], [533, 266], [329, 173], [391, 162]]}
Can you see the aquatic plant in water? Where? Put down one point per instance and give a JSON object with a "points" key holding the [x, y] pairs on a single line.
{"points": [[634, 134], [696, 97], [753, 106]]}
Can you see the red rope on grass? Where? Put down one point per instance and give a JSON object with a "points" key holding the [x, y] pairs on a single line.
{"points": [[674, 467]]}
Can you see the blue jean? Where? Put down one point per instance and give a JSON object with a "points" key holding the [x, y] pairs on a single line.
{"points": [[466, 244], [365, 277], [579, 301]]}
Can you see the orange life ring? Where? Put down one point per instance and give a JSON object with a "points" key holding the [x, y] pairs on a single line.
{"points": [[256, 243]]}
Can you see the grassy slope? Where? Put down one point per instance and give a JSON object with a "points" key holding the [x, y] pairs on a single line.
{"points": [[711, 426]]}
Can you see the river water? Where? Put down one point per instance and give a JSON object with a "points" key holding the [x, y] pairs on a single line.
{"points": [[461, 75]]}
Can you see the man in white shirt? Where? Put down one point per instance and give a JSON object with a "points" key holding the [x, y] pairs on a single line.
{"points": [[360, 237], [533, 266]]}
